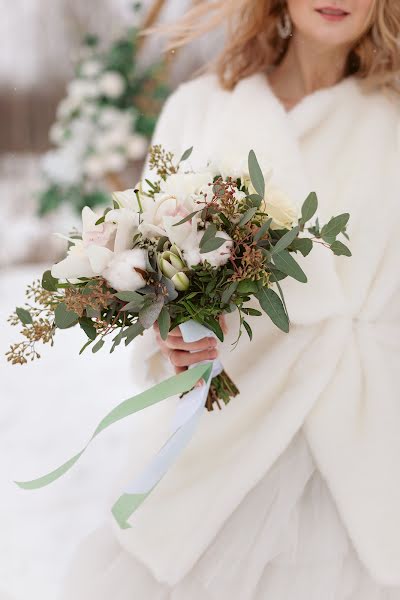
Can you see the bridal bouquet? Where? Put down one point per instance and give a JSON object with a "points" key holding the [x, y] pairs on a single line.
{"points": [[181, 250]]}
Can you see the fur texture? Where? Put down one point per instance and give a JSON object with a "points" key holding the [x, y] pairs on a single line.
{"points": [[335, 374]]}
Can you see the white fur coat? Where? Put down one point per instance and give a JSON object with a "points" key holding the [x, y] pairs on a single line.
{"points": [[336, 374]]}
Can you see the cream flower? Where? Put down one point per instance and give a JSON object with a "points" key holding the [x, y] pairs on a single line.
{"points": [[278, 206], [161, 214], [99, 245], [112, 84], [184, 185]]}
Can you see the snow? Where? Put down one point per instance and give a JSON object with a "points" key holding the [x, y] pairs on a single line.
{"points": [[49, 410]]}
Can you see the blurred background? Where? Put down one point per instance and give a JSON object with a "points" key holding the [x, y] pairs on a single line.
{"points": [[80, 93]]}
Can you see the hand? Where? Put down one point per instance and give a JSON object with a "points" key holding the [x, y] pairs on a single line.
{"points": [[183, 354]]}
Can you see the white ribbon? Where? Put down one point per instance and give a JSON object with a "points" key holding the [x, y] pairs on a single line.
{"points": [[185, 421]]}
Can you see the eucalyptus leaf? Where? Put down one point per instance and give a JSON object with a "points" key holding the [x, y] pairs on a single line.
{"points": [[212, 244], [85, 346], [186, 154], [336, 225], [340, 249], [247, 287], [252, 312], [285, 240], [172, 292], [129, 296], [248, 329], [309, 208], [98, 346], [132, 332], [64, 318], [285, 262], [214, 325], [248, 215], [164, 323], [49, 283], [303, 245], [187, 218], [263, 230], [227, 294], [273, 307], [88, 327], [150, 313], [24, 316], [209, 234], [134, 306], [256, 175]]}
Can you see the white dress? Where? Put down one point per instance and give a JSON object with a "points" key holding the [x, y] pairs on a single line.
{"points": [[246, 513]]}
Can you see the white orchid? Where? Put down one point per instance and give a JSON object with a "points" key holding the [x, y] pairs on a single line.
{"points": [[161, 215], [98, 250], [185, 185]]}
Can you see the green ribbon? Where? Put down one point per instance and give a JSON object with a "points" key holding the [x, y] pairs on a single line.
{"points": [[178, 384]]}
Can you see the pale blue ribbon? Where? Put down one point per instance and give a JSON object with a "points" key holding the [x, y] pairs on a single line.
{"points": [[185, 422]]}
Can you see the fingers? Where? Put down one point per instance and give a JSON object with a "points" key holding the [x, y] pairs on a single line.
{"points": [[180, 358], [176, 343]]}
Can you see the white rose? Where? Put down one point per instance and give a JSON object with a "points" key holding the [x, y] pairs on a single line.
{"points": [[121, 274], [278, 206], [112, 84]]}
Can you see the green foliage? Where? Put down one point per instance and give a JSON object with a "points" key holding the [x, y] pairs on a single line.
{"points": [[309, 208], [24, 316], [164, 322], [64, 318], [285, 263], [340, 249], [272, 305], [256, 174], [49, 282], [336, 225]]}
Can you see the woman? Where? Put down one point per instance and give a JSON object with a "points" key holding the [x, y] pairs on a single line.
{"points": [[292, 492]]}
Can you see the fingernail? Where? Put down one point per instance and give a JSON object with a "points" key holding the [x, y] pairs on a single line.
{"points": [[212, 342]]}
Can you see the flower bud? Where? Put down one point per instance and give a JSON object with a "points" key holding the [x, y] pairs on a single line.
{"points": [[181, 282], [175, 250], [167, 269]]}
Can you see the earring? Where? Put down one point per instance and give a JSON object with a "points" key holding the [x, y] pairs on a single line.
{"points": [[284, 25], [375, 35]]}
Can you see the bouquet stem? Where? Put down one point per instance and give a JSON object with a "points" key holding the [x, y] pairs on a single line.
{"points": [[221, 388]]}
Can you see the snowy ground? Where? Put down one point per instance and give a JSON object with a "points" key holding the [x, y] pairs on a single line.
{"points": [[48, 411]]}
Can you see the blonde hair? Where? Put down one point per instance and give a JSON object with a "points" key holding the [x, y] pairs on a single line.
{"points": [[253, 44]]}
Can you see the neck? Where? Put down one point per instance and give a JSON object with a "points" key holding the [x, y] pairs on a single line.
{"points": [[306, 69]]}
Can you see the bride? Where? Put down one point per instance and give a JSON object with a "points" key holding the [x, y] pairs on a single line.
{"points": [[292, 492]]}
